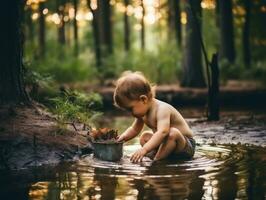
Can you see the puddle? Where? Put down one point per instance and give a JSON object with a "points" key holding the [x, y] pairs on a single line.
{"points": [[216, 172], [225, 171]]}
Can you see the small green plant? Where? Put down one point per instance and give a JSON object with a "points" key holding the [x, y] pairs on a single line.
{"points": [[76, 107], [36, 82]]}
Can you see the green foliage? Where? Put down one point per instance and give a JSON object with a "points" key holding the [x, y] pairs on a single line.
{"points": [[75, 106], [60, 63], [258, 70], [161, 66], [41, 87], [161, 59], [239, 72], [228, 70], [68, 106], [32, 77]]}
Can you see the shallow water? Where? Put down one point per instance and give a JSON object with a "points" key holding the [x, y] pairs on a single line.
{"points": [[216, 172]]}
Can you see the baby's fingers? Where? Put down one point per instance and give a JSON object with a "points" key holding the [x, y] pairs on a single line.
{"points": [[136, 158], [119, 139]]}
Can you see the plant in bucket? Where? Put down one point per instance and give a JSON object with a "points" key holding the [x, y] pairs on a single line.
{"points": [[105, 144]]}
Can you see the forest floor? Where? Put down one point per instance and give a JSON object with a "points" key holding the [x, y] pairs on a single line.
{"points": [[238, 129], [30, 136]]}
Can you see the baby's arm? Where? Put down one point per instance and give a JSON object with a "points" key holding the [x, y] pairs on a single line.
{"points": [[132, 131], [163, 127]]}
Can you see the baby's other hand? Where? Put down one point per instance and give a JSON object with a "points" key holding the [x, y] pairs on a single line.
{"points": [[120, 138], [138, 155]]}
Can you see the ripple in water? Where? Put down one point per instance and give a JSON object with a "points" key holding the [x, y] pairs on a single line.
{"points": [[206, 158], [215, 172], [221, 171]]}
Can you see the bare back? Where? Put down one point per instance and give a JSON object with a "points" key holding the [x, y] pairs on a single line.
{"points": [[176, 119]]}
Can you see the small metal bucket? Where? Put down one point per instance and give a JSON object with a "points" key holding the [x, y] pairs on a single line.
{"points": [[108, 151]]}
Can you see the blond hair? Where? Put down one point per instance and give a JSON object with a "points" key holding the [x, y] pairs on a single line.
{"points": [[130, 86]]}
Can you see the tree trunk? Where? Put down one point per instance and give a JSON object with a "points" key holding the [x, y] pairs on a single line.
{"points": [[246, 34], [41, 30], [217, 8], [170, 18], [95, 29], [213, 100], [105, 27], [174, 20], [177, 22], [142, 31], [30, 35], [227, 47], [76, 42], [61, 26], [126, 28], [192, 57], [12, 89]]}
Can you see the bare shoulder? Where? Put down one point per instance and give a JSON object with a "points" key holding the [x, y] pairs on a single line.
{"points": [[165, 107], [176, 117], [165, 110]]}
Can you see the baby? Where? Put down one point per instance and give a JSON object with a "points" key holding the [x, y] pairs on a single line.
{"points": [[170, 133]]}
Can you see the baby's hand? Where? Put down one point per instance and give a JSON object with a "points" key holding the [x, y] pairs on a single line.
{"points": [[138, 155], [120, 138]]}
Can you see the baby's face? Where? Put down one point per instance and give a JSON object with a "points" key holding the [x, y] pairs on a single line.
{"points": [[138, 108]]}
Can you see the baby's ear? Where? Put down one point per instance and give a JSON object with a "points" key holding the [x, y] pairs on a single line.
{"points": [[143, 98]]}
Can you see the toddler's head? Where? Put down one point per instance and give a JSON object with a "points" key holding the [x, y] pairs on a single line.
{"points": [[130, 87]]}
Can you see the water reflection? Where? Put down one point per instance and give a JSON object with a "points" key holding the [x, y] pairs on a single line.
{"points": [[216, 172]]}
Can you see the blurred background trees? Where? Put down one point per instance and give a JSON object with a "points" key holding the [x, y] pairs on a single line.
{"points": [[95, 40]]}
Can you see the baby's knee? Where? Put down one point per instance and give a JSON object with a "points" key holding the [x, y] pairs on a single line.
{"points": [[175, 134], [145, 137]]}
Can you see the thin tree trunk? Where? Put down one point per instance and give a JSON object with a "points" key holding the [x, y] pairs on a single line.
{"points": [[126, 28], [174, 20], [12, 89], [76, 42], [68, 33], [61, 26], [227, 47], [30, 35], [217, 16], [192, 57], [108, 26], [142, 32], [213, 100], [246, 34], [105, 26], [41, 30], [95, 29], [170, 18], [177, 21]]}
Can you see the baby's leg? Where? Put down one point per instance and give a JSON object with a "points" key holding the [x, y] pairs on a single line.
{"points": [[145, 137], [175, 141]]}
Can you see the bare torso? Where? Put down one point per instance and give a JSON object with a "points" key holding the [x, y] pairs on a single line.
{"points": [[176, 119]]}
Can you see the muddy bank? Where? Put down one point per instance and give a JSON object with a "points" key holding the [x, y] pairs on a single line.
{"points": [[30, 137], [244, 130]]}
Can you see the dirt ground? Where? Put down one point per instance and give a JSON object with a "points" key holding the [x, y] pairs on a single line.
{"points": [[245, 130], [30, 136]]}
